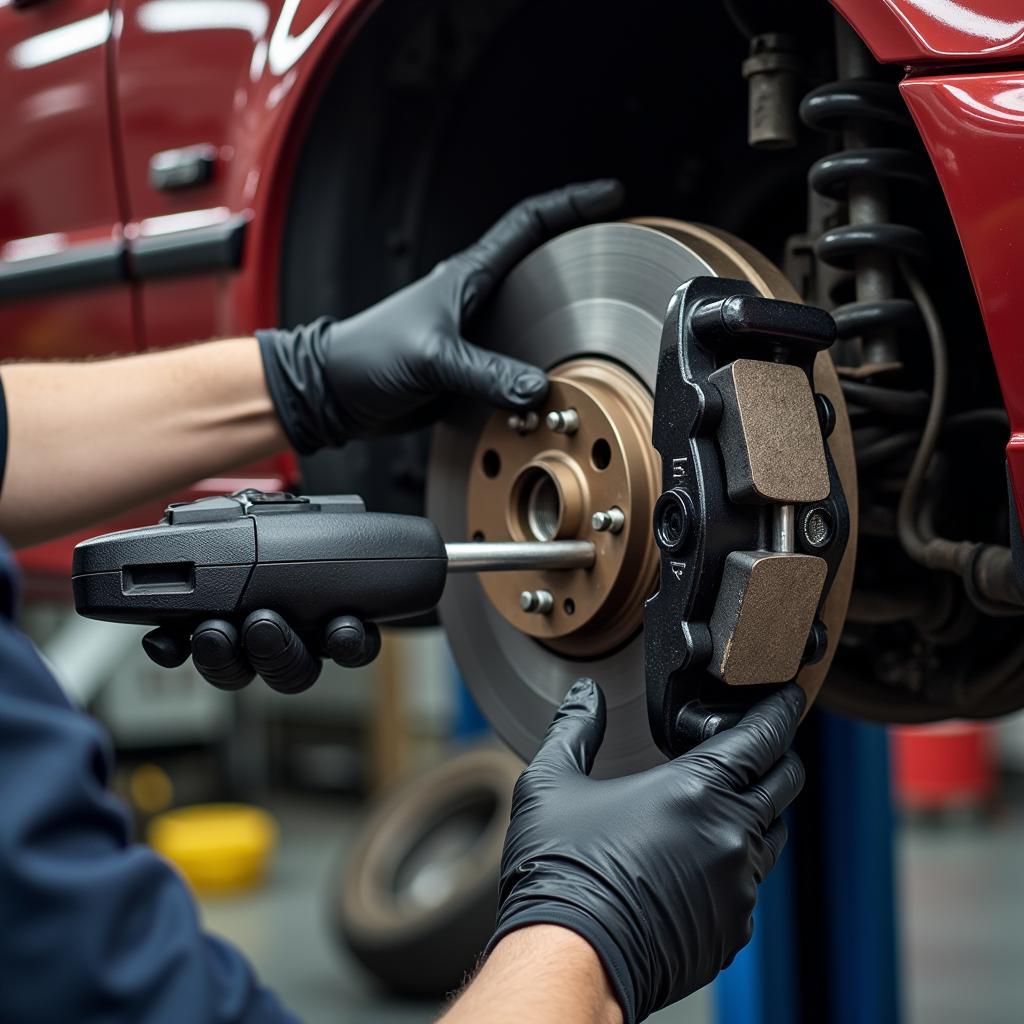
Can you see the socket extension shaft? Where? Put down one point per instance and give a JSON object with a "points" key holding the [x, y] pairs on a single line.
{"points": [[496, 556]]}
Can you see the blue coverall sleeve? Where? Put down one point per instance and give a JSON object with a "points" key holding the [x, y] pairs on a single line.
{"points": [[92, 927]]}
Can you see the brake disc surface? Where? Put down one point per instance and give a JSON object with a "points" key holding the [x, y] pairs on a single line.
{"points": [[601, 292]]}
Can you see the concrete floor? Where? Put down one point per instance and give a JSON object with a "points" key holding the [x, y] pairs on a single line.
{"points": [[962, 890], [963, 920], [283, 930]]}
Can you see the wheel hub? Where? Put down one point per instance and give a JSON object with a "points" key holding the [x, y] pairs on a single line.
{"points": [[534, 479]]}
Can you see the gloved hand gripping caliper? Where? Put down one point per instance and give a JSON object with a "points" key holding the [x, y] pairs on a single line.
{"points": [[752, 525]]}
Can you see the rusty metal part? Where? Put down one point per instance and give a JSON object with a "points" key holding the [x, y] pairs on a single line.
{"points": [[548, 485], [598, 292], [772, 72]]}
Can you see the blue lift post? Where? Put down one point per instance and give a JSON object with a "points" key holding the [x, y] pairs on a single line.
{"points": [[468, 724], [824, 945]]}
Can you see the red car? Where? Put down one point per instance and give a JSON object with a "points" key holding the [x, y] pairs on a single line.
{"points": [[172, 170]]}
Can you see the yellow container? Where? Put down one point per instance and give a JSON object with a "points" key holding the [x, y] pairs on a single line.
{"points": [[219, 848]]}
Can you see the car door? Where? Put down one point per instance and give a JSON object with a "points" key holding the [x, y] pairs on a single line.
{"points": [[63, 286]]}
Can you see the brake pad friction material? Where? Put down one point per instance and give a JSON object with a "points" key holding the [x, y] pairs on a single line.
{"points": [[769, 433], [763, 615]]}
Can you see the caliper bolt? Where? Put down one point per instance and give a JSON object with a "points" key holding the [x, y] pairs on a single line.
{"points": [[611, 521], [817, 527], [524, 423], [564, 421], [672, 520], [536, 602]]}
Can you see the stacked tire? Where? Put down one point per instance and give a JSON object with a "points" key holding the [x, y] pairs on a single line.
{"points": [[415, 902]]}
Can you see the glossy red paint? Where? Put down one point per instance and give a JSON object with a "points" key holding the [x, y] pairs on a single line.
{"points": [[946, 31], [247, 88], [973, 126], [55, 139], [76, 325]]}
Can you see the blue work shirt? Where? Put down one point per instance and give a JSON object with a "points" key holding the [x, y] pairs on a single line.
{"points": [[93, 927]]}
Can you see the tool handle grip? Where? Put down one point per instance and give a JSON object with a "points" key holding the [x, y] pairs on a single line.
{"points": [[306, 559]]}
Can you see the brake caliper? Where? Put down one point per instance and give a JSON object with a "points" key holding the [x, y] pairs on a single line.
{"points": [[752, 522]]}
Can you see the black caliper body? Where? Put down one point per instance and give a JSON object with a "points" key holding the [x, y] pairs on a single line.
{"points": [[752, 522]]}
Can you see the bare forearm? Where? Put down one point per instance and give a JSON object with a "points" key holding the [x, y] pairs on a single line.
{"points": [[542, 974], [88, 440]]}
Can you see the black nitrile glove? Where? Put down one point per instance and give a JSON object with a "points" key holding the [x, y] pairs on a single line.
{"points": [[658, 871], [264, 644], [388, 369]]}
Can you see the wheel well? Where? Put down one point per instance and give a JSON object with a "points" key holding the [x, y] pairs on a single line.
{"points": [[443, 113]]}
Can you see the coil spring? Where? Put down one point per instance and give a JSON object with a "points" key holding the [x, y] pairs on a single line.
{"points": [[829, 108]]}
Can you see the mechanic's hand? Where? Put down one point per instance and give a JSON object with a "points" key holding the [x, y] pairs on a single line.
{"points": [[658, 871], [388, 369], [264, 644]]}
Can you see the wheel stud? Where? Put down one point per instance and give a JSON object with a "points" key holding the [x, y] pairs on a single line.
{"points": [[565, 421], [536, 602], [524, 423], [611, 521]]}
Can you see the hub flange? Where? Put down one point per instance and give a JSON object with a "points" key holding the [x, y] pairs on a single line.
{"points": [[547, 483]]}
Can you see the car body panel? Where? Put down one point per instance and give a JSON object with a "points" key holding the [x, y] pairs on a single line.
{"points": [[943, 31], [973, 127], [53, 76], [262, 64]]}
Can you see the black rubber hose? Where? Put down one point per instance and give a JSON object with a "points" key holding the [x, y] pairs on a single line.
{"points": [[886, 400], [987, 569], [888, 448], [919, 549]]}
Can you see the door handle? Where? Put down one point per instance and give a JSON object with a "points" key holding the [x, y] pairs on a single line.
{"points": [[182, 168]]}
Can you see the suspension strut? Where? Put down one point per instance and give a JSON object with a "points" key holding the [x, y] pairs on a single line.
{"points": [[869, 114], [866, 112]]}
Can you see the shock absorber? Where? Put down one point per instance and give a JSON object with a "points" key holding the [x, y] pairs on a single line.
{"points": [[866, 112], [869, 115]]}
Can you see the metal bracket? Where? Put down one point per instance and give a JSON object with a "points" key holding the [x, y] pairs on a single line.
{"points": [[752, 522]]}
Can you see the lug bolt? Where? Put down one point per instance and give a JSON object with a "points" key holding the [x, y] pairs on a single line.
{"points": [[536, 602], [523, 422], [565, 421], [611, 521]]}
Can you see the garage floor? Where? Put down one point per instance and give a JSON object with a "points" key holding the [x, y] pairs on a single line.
{"points": [[283, 929], [963, 920], [963, 926]]}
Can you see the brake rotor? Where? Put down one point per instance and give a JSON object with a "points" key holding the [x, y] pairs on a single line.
{"points": [[588, 307]]}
